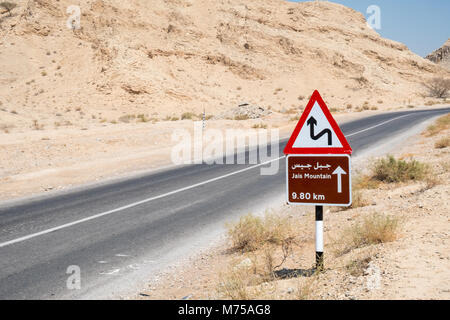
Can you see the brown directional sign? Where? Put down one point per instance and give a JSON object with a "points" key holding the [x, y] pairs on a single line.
{"points": [[314, 179]]}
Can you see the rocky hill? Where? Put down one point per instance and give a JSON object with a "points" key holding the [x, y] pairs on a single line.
{"points": [[165, 57], [441, 56]]}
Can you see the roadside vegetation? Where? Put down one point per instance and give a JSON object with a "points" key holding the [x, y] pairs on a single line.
{"points": [[373, 229], [252, 232], [263, 244], [441, 124], [438, 87], [442, 143], [391, 170]]}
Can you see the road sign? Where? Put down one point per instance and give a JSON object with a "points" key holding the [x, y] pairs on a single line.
{"points": [[323, 180], [317, 132], [318, 165]]}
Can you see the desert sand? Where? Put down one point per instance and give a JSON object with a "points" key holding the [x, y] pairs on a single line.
{"points": [[79, 105]]}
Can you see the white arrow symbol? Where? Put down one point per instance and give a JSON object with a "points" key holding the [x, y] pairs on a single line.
{"points": [[339, 172]]}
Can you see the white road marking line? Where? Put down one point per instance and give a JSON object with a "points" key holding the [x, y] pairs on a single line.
{"points": [[111, 272], [377, 125], [70, 224]]}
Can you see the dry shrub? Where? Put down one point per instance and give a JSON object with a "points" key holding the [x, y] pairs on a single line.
{"points": [[234, 284], [259, 238], [373, 229], [260, 126], [445, 165], [357, 266], [358, 200], [438, 87], [391, 170], [241, 281], [442, 143], [365, 182], [241, 117], [441, 124], [431, 103], [37, 126], [142, 118], [127, 118], [306, 288], [251, 233], [187, 116]]}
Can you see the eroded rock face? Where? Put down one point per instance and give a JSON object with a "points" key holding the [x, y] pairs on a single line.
{"points": [[167, 57], [441, 56]]}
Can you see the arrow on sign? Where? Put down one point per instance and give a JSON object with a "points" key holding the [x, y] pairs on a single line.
{"points": [[339, 172], [313, 122]]}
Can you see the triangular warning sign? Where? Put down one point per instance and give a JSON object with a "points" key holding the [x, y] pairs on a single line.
{"points": [[317, 132]]}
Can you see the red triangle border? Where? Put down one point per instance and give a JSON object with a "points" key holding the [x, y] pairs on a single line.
{"points": [[346, 149]]}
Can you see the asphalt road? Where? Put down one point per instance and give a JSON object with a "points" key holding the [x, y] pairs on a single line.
{"points": [[107, 229]]}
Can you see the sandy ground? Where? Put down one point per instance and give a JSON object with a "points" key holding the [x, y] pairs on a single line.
{"points": [[415, 266], [51, 160]]}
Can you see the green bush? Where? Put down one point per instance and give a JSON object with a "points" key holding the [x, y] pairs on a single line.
{"points": [[391, 170]]}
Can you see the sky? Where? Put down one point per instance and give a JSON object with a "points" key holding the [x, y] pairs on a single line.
{"points": [[422, 25]]}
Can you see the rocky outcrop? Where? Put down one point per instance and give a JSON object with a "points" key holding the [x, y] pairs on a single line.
{"points": [[441, 56]]}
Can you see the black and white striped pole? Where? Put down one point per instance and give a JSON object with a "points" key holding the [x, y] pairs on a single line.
{"points": [[319, 238]]}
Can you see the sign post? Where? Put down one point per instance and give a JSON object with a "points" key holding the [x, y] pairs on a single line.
{"points": [[319, 238], [318, 165]]}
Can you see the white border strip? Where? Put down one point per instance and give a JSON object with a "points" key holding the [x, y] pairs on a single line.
{"points": [[377, 125], [319, 236]]}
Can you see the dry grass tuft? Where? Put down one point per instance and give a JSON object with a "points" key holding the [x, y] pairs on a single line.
{"points": [[442, 143], [127, 118], [357, 266], [358, 200], [365, 182], [260, 126], [241, 117], [441, 124], [305, 289], [373, 229], [263, 245], [37, 126], [187, 116], [251, 233], [233, 285]]}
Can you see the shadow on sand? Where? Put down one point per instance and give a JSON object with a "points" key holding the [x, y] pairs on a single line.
{"points": [[294, 273]]}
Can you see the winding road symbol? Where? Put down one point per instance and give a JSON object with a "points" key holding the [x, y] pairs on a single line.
{"points": [[312, 122]]}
